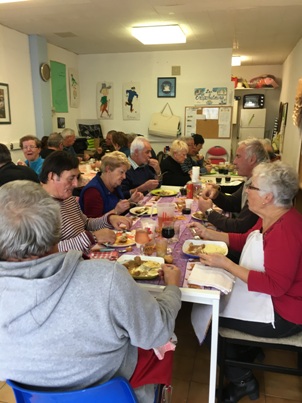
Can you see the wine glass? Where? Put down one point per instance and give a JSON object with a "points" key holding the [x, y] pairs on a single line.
{"points": [[141, 238], [168, 232]]}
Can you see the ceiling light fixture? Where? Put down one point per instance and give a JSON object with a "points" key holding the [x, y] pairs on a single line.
{"points": [[159, 35], [236, 60], [10, 1]]}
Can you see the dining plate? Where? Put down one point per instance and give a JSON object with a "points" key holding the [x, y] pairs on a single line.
{"points": [[193, 247], [144, 211], [198, 215], [120, 236], [163, 192], [148, 269]]}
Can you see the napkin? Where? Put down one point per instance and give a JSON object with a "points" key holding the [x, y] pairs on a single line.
{"points": [[205, 276]]}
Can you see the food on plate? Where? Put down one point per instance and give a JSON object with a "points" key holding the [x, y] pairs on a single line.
{"points": [[168, 259], [194, 249], [141, 269], [122, 238], [199, 215], [163, 192], [141, 210]]}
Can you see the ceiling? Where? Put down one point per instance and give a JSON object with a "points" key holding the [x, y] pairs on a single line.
{"points": [[263, 31]]}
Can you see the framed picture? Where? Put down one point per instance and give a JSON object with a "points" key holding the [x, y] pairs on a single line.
{"points": [[4, 104], [166, 87]]}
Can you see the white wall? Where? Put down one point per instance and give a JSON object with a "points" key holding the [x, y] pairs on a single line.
{"points": [[291, 74], [198, 68], [15, 71]]}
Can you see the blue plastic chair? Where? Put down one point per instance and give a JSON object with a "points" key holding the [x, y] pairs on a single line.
{"points": [[116, 390]]}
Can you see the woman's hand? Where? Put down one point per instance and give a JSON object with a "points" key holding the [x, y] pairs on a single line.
{"points": [[122, 206], [200, 229], [136, 197], [214, 260], [119, 222], [105, 235], [210, 192]]}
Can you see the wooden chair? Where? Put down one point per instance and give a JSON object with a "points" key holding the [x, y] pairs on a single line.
{"points": [[230, 336]]}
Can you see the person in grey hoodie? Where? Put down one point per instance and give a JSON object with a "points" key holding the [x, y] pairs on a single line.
{"points": [[68, 323]]}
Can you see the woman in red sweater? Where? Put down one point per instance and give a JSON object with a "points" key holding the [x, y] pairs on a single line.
{"points": [[266, 298]]}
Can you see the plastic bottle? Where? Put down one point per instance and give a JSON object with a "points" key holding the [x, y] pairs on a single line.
{"points": [[190, 189]]}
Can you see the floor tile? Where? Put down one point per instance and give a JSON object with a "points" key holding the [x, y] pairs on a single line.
{"points": [[180, 390], [285, 386], [198, 393], [7, 394]]}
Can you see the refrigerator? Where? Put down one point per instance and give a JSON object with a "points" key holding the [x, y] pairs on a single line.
{"points": [[252, 123]]}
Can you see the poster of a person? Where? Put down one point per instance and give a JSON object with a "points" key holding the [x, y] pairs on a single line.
{"points": [[74, 88], [131, 101], [104, 100]]}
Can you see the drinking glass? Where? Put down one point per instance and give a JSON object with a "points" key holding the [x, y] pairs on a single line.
{"points": [[141, 238], [165, 213]]}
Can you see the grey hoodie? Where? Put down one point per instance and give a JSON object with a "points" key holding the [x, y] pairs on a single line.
{"points": [[69, 323]]}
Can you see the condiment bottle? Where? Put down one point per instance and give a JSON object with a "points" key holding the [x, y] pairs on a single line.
{"points": [[190, 189]]}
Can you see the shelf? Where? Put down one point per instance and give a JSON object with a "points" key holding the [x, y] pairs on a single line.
{"points": [[256, 89]]}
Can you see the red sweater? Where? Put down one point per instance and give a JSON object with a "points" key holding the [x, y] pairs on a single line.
{"points": [[282, 278]]}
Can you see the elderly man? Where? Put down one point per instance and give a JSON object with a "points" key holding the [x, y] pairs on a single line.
{"points": [[54, 143], [68, 323], [193, 160], [69, 138], [107, 144], [59, 176], [31, 147], [249, 153], [11, 172], [144, 173]]}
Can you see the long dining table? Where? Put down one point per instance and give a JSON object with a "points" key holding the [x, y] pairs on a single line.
{"points": [[210, 298]]}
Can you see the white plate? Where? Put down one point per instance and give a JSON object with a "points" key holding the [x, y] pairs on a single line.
{"points": [[125, 258], [185, 246], [136, 211], [130, 240]]}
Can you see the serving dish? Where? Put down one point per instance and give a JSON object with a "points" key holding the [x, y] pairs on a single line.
{"points": [[210, 246], [163, 192], [118, 242], [143, 211]]}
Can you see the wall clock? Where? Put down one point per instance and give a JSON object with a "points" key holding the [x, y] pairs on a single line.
{"points": [[45, 71]]}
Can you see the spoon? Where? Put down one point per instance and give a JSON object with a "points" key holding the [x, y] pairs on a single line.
{"points": [[193, 230]]}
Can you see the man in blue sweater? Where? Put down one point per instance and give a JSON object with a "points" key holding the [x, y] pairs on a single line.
{"points": [[144, 173]]}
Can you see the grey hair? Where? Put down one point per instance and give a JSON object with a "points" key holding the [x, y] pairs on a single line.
{"points": [[138, 144], [67, 133], [55, 140], [254, 146], [277, 178], [30, 220]]}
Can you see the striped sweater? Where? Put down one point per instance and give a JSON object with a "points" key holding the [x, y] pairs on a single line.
{"points": [[76, 226]]}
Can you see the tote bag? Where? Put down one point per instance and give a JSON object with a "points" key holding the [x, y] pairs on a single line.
{"points": [[164, 123]]}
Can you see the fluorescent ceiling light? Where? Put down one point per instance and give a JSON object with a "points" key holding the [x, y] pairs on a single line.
{"points": [[160, 34], [10, 1], [236, 61]]}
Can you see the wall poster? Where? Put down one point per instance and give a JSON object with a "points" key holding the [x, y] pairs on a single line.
{"points": [[211, 96], [74, 88], [58, 87], [131, 101], [104, 100]]}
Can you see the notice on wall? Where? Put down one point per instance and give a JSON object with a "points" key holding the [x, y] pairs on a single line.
{"points": [[224, 122], [58, 87]]}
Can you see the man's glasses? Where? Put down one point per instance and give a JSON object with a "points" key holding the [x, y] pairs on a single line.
{"points": [[29, 147]]}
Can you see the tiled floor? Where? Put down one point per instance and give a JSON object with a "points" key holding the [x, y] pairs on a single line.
{"points": [[191, 372]]}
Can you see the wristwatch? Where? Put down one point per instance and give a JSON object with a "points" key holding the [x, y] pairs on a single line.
{"points": [[208, 212]]}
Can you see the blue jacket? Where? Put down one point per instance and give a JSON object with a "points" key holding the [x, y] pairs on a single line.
{"points": [[110, 200]]}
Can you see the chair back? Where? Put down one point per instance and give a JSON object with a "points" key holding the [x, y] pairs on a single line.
{"points": [[161, 156], [116, 390], [217, 154]]}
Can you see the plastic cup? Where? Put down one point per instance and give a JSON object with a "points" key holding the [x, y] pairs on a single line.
{"points": [[218, 180], [165, 212], [228, 179], [149, 225], [161, 245]]}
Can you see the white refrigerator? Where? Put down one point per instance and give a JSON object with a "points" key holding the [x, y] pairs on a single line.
{"points": [[252, 123]]}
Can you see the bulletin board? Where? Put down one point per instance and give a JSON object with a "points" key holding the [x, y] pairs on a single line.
{"points": [[212, 122]]}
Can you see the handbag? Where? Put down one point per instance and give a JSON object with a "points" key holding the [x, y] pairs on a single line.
{"points": [[163, 124]]}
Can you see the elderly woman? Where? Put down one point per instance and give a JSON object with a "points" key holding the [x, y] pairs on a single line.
{"points": [[103, 193], [171, 166], [266, 298]]}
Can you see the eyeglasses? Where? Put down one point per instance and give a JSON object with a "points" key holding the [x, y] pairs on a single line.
{"points": [[29, 147], [251, 187]]}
